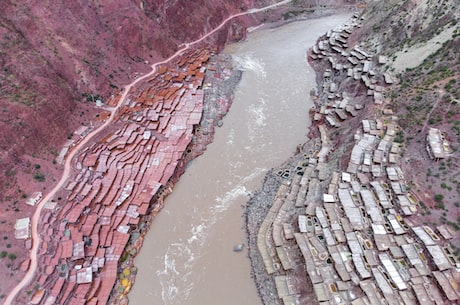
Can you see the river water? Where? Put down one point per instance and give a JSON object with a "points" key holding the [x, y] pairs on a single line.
{"points": [[187, 256]]}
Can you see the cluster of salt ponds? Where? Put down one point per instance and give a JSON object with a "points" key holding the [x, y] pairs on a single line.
{"points": [[187, 257]]}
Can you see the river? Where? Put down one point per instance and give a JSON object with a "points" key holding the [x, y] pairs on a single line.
{"points": [[187, 256]]}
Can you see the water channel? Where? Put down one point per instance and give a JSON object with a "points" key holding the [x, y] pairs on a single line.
{"points": [[187, 256]]}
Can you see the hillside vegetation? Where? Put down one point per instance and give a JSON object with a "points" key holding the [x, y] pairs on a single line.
{"points": [[422, 39]]}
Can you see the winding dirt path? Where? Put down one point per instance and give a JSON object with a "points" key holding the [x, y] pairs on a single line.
{"points": [[436, 104], [67, 165]]}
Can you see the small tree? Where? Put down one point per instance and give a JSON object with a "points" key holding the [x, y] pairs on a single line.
{"points": [[40, 177]]}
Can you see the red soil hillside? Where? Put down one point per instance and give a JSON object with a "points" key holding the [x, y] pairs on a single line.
{"points": [[53, 52]]}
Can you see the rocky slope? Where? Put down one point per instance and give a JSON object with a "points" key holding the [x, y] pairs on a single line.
{"points": [[421, 39]]}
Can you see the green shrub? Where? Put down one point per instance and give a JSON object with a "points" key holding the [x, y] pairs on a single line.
{"points": [[40, 177], [438, 197]]}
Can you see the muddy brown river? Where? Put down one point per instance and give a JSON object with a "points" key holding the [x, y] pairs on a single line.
{"points": [[187, 256]]}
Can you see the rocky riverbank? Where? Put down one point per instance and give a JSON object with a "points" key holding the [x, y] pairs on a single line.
{"points": [[256, 211]]}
